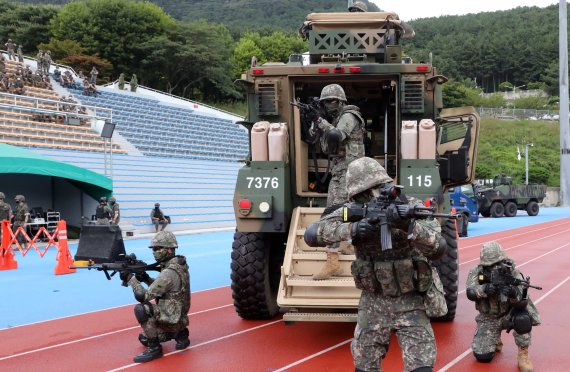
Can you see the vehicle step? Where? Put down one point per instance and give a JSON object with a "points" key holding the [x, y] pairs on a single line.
{"points": [[319, 317], [309, 282]]}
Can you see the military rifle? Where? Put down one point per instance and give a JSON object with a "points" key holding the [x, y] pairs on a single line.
{"points": [[388, 211], [310, 133], [128, 264], [502, 277]]}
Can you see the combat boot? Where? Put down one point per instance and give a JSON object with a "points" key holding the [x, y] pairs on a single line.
{"points": [[525, 365], [331, 268], [153, 352], [499, 346], [182, 340]]}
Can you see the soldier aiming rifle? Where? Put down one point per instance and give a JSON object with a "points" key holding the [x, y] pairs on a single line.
{"points": [[128, 264]]}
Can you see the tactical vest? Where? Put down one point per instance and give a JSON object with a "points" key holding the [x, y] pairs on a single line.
{"points": [[491, 305], [101, 213], [356, 137], [20, 214], [158, 214], [174, 306]]}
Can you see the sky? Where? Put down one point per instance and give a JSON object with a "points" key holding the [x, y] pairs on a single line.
{"points": [[413, 9]]}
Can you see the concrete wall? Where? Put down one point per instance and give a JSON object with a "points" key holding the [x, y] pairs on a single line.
{"points": [[552, 198]]}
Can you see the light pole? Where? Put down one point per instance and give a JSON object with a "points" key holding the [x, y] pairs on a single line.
{"points": [[526, 161]]}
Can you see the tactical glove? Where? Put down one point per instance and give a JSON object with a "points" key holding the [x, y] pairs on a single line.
{"points": [[511, 292], [125, 276], [142, 277], [365, 231], [490, 289]]}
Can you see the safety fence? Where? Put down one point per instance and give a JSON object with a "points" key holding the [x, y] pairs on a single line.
{"points": [[21, 241]]}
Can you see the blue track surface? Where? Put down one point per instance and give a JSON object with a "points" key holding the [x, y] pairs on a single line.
{"points": [[33, 293]]}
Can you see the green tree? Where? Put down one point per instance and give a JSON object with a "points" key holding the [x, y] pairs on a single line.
{"points": [[112, 29], [61, 49], [456, 94], [82, 62], [27, 25]]}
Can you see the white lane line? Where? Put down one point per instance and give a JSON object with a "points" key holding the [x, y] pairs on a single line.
{"points": [[92, 312], [518, 245], [204, 343], [468, 351], [285, 368], [513, 235], [97, 336]]}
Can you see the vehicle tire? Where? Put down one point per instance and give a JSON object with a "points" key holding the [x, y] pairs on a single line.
{"points": [[510, 209], [255, 273], [497, 209], [448, 269], [486, 213], [532, 208]]}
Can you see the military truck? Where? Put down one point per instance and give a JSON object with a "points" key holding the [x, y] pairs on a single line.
{"points": [[503, 198], [279, 192]]}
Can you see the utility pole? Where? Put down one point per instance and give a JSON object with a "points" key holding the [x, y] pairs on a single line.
{"points": [[526, 161], [564, 123]]}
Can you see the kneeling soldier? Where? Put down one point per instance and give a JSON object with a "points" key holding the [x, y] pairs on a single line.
{"points": [[167, 317]]}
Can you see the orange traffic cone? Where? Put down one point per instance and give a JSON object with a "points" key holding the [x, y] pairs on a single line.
{"points": [[7, 261], [64, 259]]}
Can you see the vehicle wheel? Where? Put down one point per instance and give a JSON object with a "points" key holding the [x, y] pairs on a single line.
{"points": [[486, 213], [510, 209], [256, 268], [532, 208], [448, 269], [497, 209]]}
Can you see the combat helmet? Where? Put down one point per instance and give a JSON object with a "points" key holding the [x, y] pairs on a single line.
{"points": [[112, 199], [2, 196], [492, 253], [333, 91], [19, 198], [358, 6], [164, 239], [363, 174]]}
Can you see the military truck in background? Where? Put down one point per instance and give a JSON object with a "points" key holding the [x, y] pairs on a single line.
{"points": [[502, 198], [282, 188], [464, 199]]}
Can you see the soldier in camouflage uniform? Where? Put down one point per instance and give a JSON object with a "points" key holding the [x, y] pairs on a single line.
{"points": [[10, 48], [5, 212], [358, 6], [21, 219], [167, 317], [115, 211], [493, 313], [134, 83], [103, 213], [121, 82], [400, 290], [343, 141]]}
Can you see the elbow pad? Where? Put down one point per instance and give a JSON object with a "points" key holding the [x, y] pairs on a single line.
{"points": [[333, 138], [139, 295], [471, 294], [312, 237]]}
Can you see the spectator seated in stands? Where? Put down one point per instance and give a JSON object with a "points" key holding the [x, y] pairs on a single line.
{"points": [[57, 74], [88, 88], [158, 218]]}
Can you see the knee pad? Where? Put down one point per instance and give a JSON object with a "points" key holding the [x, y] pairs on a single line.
{"points": [[423, 369], [484, 358], [142, 313]]}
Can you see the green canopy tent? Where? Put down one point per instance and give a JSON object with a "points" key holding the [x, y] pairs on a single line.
{"points": [[21, 161]]}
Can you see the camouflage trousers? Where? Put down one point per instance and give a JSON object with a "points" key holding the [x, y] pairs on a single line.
{"points": [[378, 316], [153, 328], [337, 192], [488, 334]]}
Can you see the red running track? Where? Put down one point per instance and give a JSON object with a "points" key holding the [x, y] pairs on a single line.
{"points": [[221, 341]]}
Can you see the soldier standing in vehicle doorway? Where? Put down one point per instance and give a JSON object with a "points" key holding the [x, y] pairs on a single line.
{"points": [[500, 306], [167, 317], [343, 142], [21, 219], [400, 289], [103, 213], [115, 211]]}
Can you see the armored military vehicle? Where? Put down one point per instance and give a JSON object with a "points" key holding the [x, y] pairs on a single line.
{"points": [[503, 198], [283, 186]]}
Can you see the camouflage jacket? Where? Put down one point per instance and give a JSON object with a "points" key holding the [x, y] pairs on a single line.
{"points": [[491, 305], [21, 214], [351, 126], [116, 212], [5, 211], [171, 290]]}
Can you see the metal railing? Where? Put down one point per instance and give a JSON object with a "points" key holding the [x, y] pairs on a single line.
{"points": [[514, 113]]}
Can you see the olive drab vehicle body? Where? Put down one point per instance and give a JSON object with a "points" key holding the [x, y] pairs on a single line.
{"points": [[502, 198], [283, 186]]}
